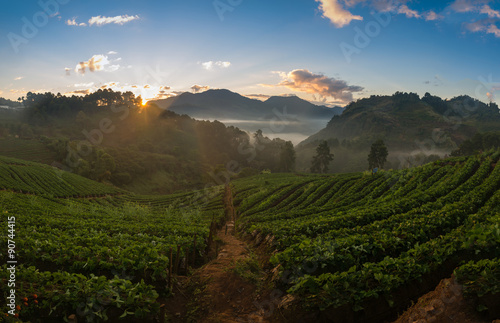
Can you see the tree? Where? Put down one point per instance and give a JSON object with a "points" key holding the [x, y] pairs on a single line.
{"points": [[378, 155], [287, 157], [322, 159]]}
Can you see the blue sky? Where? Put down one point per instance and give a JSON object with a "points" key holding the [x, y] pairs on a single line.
{"points": [[330, 51]]}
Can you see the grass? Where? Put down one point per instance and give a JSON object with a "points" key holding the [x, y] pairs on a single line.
{"points": [[249, 269]]}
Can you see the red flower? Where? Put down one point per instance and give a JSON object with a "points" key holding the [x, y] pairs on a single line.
{"points": [[26, 303], [25, 299], [18, 307]]}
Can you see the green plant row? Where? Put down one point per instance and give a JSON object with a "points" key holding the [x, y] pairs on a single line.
{"points": [[56, 295]]}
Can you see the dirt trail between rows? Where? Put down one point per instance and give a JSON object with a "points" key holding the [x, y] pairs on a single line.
{"points": [[230, 298]]}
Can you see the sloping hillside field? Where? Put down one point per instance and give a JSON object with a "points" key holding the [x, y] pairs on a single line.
{"points": [[344, 248], [91, 250], [360, 247]]}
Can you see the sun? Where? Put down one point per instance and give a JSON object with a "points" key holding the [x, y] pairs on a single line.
{"points": [[144, 102]]}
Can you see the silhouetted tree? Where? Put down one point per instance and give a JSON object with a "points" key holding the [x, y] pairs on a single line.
{"points": [[287, 157], [322, 159], [378, 155]]}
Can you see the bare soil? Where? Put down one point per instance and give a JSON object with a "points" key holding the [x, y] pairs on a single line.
{"points": [[445, 304]]}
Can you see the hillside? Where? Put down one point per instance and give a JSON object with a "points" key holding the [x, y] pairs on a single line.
{"points": [[109, 137], [354, 247], [403, 119], [103, 247], [234, 109], [359, 248], [412, 128]]}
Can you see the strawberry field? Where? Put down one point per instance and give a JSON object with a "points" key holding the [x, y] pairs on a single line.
{"points": [[92, 250], [360, 247]]}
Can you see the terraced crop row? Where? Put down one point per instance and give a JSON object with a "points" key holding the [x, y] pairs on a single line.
{"points": [[345, 241]]}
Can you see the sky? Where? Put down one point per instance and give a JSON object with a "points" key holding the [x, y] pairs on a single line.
{"points": [[324, 51]]}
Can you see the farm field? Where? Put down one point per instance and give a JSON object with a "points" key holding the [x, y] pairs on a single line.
{"points": [[360, 247], [26, 149], [92, 250], [345, 248]]}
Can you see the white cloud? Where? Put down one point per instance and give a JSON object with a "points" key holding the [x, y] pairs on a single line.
{"points": [[408, 12], [72, 22], [198, 88], [431, 15], [490, 12], [119, 20], [385, 5], [18, 78], [210, 65], [493, 29], [112, 52], [484, 25], [84, 84], [302, 80], [334, 11], [463, 6], [113, 68], [96, 63]]}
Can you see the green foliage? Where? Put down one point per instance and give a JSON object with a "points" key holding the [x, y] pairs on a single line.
{"points": [[481, 280], [99, 257], [322, 159], [378, 155], [344, 240], [287, 157], [248, 269], [480, 142]]}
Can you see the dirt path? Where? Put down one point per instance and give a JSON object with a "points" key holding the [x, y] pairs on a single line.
{"points": [[228, 296], [444, 304]]}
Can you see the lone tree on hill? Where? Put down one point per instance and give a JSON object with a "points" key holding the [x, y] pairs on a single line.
{"points": [[378, 155], [287, 157], [322, 159]]}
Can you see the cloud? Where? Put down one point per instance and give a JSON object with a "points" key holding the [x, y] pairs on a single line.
{"points": [[408, 12], [463, 6], [304, 81], [112, 52], [484, 25], [198, 88], [79, 92], [210, 65], [490, 12], [261, 97], [18, 78], [119, 20], [493, 29], [72, 22], [385, 5], [334, 11], [113, 68], [68, 71], [431, 15], [84, 84], [109, 85], [101, 20], [96, 63]]}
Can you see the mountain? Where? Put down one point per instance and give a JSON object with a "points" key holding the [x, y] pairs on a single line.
{"points": [[293, 114], [415, 130], [404, 120]]}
